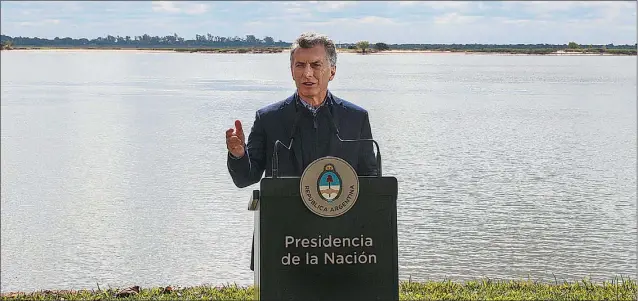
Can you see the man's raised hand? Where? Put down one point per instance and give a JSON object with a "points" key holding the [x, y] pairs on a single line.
{"points": [[236, 141]]}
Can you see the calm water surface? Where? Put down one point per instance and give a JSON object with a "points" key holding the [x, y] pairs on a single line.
{"points": [[113, 164]]}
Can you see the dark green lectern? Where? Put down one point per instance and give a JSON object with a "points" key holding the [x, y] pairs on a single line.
{"points": [[301, 255]]}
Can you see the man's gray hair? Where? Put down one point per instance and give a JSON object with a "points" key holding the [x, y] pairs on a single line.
{"points": [[311, 39]]}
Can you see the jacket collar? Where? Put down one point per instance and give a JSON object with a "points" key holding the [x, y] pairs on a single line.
{"points": [[329, 97]]}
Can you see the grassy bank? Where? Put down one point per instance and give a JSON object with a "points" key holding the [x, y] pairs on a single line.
{"points": [[535, 51], [486, 289], [189, 50]]}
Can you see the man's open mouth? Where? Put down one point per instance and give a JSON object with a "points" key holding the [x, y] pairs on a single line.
{"points": [[308, 84]]}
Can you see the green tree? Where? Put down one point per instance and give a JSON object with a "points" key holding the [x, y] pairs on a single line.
{"points": [[573, 45], [251, 39], [363, 45], [8, 45], [381, 46], [269, 40]]}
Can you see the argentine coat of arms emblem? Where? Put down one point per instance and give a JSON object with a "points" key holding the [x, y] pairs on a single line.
{"points": [[329, 186]]}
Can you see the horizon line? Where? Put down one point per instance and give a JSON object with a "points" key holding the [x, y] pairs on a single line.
{"points": [[335, 42]]}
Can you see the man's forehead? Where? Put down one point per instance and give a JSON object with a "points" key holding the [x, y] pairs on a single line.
{"points": [[310, 60], [310, 55]]}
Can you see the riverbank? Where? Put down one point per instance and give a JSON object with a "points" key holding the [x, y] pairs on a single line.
{"points": [[485, 289], [267, 50], [150, 49]]}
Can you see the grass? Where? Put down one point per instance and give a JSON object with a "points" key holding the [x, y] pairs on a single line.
{"points": [[484, 289], [520, 290]]}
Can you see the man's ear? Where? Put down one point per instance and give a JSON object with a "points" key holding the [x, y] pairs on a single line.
{"points": [[333, 71]]}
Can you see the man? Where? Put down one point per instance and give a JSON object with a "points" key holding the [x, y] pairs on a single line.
{"points": [[314, 114]]}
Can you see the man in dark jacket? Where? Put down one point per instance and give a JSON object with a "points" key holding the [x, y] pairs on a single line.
{"points": [[312, 112]]}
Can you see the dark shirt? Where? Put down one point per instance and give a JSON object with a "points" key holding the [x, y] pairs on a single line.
{"points": [[310, 108], [314, 130]]}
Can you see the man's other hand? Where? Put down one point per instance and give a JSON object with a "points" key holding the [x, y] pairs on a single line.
{"points": [[236, 141]]}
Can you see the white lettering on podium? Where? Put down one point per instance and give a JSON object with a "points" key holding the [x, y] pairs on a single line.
{"points": [[289, 259], [311, 259], [328, 242], [346, 257], [354, 258]]}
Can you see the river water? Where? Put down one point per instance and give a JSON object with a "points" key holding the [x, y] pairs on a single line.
{"points": [[510, 167]]}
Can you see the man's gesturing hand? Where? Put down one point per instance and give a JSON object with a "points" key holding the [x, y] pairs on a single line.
{"points": [[235, 140]]}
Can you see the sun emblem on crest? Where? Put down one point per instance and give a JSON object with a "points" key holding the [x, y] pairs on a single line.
{"points": [[329, 183]]}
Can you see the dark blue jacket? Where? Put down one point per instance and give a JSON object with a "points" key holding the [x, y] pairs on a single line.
{"points": [[314, 138]]}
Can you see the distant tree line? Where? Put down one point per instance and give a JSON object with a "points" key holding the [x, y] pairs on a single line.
{"points": [[146, 41], [501, 46], [213, 41]]}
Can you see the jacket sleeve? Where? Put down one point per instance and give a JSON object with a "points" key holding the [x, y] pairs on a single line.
{"points": [[367, 165], [248, 169]]}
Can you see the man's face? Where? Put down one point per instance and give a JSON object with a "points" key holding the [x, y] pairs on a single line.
{"points": [[311, 71]]}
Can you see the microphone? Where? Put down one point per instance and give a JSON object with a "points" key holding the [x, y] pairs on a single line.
{"points": [[275, 154], [334, 128]]}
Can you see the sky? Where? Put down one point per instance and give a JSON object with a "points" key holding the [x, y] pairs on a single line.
{"points": [[433, 22]]}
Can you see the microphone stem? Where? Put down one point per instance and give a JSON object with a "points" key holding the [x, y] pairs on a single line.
{"points": [[376, 144]]}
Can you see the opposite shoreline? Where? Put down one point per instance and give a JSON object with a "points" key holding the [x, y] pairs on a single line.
{"points": [[481, 289], [581, 52]]}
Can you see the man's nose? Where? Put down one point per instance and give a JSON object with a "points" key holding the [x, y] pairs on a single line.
{"points": [[307, 71]]}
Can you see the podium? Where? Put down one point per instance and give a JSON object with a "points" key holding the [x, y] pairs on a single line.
{"points": [[328, 235]]}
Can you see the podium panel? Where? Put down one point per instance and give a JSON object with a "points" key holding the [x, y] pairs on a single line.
{"points": [[300, 255]]}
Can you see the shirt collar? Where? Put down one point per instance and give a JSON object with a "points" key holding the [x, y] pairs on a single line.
{"points": [[327, 101]]}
